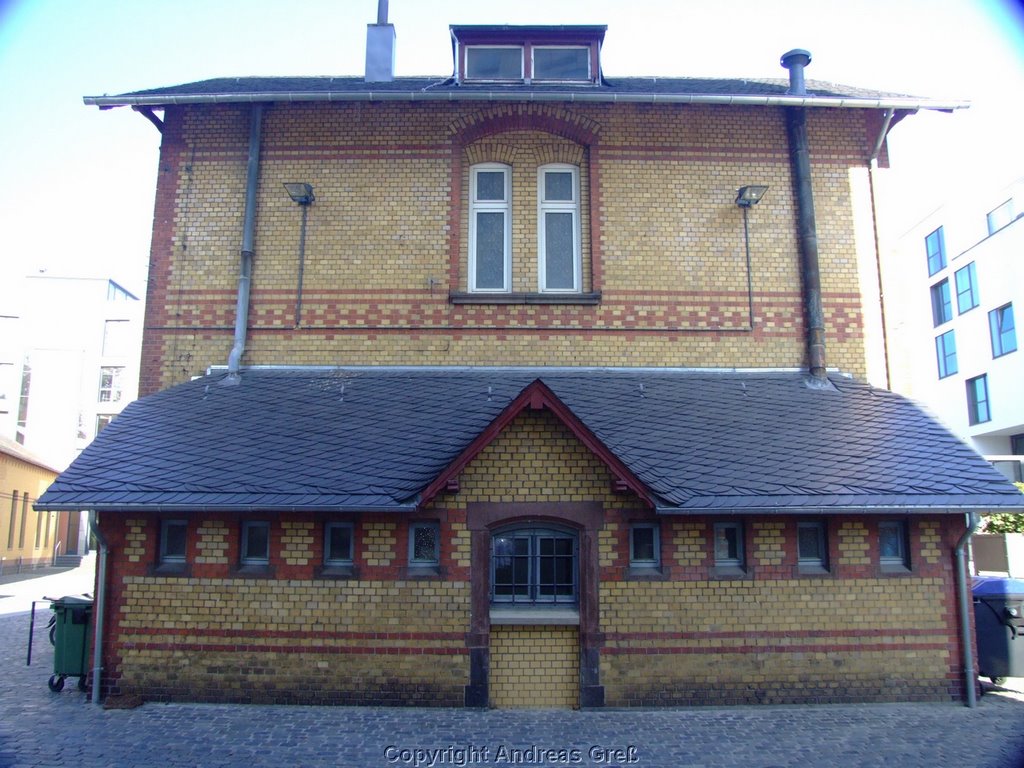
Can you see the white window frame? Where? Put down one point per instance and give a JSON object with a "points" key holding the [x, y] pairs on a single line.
{"points": [[172, 559], [246, 557], [730, 562], [636, 562], [533, 66], [821, 533], [901, 534], [420, 562], [340, 561], [558, 206], [490, 206], [112, 391]]}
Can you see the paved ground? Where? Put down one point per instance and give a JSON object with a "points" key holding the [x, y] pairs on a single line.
{"points": [[38, 728]]}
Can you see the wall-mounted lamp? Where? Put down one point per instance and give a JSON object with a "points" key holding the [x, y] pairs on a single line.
{"points": [[301, 193], [750, 195], [746, 198]]}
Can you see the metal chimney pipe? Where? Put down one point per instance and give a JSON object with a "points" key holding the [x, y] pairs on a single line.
{"points": [[800, 163], [795, 61], [382, 11]]}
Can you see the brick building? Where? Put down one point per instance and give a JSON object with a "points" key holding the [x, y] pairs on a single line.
{"points": [[525, 403]]}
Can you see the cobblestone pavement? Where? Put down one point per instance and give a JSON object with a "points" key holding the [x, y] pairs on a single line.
{"points": [[40, 728]]}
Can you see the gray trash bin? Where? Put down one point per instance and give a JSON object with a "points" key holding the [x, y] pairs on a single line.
{"points": [[999, 624]]}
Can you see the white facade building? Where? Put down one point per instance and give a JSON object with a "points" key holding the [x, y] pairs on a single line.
{"points": [[954, 299], [69, 361]]}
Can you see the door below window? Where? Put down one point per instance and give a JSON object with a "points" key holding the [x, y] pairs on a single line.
{"points": [[534, 667]]}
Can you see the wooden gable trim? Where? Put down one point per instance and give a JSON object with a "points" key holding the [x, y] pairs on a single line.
{"points": [[538, 396]]}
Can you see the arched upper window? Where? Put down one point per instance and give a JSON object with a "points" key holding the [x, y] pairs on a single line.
{"points": [[534, 565]]}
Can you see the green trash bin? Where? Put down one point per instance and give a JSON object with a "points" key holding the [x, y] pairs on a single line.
{"points": [[70, 634]]}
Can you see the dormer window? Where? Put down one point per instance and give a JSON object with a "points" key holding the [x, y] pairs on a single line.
{"points": [[507, 54], [561, 63], [486, 62]]}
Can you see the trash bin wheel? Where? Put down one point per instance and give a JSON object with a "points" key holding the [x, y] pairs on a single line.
{"points": [[56, 683], [81, 684], [997, 680]]}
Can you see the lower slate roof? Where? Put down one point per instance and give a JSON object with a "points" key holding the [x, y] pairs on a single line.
{"points": [[376, 438]]}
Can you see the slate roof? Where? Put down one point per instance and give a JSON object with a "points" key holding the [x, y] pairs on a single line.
{"points": [[375, 438], [641, 89]]}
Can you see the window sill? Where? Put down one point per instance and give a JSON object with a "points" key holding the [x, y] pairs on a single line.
{"points": [[894, 570], [422, 572], [535, 614], [812, 570], [525, 298], [645, 573], [253, 572], [339, 572], [729, 572], [171, 569]]}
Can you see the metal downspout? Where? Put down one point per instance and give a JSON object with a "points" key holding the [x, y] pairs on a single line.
{"points": [[964, 605], [872, 165], [800, 159], [248, 230], [100, 605]]}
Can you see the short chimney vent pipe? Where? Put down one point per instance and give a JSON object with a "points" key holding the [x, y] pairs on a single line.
{"points": [[795, 61]]}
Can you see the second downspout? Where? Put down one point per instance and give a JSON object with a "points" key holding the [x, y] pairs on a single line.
{"points": [[100, 605], [799, 152], [248, 232], [964, 606]]}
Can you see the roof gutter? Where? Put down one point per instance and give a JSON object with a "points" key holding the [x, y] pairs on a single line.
{"points": [[786, 100], [839, 509], [240, 508]]}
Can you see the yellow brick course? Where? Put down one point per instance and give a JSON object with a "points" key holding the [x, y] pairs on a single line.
{"points": [[853, 544], [769, 542], [212, 546], [135, 540], [534, 667]]}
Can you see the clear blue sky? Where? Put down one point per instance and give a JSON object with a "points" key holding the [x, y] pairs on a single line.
{"points": [[78, 183]]}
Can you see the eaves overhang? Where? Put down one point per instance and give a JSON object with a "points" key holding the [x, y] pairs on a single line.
{"points": [[582, 95]]}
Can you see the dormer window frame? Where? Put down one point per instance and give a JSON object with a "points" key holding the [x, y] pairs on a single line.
{"points": [[527, 40]]}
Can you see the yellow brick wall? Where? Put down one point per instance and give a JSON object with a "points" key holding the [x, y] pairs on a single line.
{"points": [[386, 242], [853, 544], [261, 640], [212, 546], [749, 641], [534, 667]]}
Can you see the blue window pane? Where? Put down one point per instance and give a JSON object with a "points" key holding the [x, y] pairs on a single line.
{"points": [[945, 353], [977, 400], [966, 289], [936, 248], [1003, 331], [942, 307]]}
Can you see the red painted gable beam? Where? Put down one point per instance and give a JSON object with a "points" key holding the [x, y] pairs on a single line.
{"points": [[537, 396]]}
